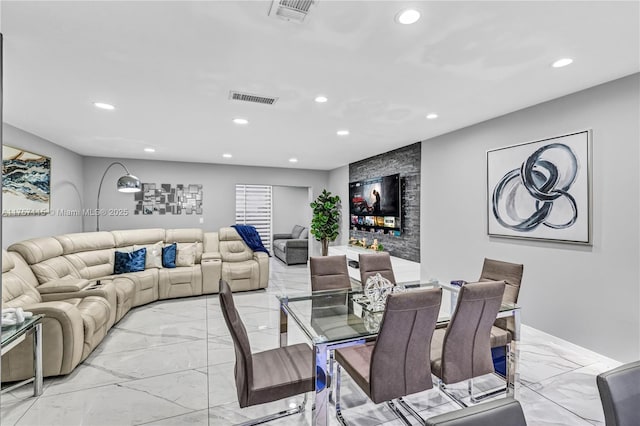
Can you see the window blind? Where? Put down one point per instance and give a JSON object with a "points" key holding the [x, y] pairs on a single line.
{"points": [[253, 207]]}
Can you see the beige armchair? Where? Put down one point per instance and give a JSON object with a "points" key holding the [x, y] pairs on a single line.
{"points": [[71, 329], [242, 268]]}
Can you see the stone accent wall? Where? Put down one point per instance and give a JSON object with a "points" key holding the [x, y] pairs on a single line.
{"points": [[405, 161]]}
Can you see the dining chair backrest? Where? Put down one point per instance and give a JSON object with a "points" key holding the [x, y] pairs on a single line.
{"points": [[499, 412], [511, 274], [329, 273], [466, 351], [244, 363], [375, 263], [620, 394], [400, 362]]}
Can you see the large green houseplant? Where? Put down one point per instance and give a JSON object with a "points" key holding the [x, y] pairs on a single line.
{"points": [[325, 224]]}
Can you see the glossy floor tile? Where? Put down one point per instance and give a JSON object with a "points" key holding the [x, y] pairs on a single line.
{"points": [[171, 363]]}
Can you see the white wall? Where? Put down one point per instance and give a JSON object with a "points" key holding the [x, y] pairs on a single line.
{"points": [[587, 295], [218, 190], [290, 207], [66, 190], [339, 185]]}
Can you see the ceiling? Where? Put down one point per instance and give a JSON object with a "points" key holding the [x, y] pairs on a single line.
{"points": [[168, 68]]}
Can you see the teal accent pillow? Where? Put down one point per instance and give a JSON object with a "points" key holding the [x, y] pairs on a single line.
{"points": [[130, 262], [169, 255]]}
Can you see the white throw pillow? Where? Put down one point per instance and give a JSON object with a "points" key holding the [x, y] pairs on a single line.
{"points": [[154, 255], [186, 254]]}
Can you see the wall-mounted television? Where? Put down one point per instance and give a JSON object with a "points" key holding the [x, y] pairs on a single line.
{"points": [[374, 204]]}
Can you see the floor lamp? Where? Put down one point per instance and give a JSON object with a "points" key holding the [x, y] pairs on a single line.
{"points": [[126, 183]]}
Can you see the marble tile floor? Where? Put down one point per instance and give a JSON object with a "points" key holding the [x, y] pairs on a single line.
{"points": [[171, 363]]}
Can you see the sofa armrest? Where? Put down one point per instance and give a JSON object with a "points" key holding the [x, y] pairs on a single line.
{"points": [[107, 290], [298, 243], [281, 237], [62, 340], [63, 285], [211, 267], [212, 255], [263, 265]]}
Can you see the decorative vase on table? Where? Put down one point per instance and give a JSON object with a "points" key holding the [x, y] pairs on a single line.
{"points": [[376, 289]]}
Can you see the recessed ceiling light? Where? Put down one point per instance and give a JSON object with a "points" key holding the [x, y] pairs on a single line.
{"points": [[321, 99], [407, 17], [227, 155], [432, 116], [241, 121], [293, 160], [102, 105], [342, 132], [149, 150], [562, 62]]}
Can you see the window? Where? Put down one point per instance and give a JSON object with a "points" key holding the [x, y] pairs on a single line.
{"points": [[253, 207]]}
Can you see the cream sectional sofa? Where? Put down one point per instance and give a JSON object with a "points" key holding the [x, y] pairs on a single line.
{"points": [[70, 278]]}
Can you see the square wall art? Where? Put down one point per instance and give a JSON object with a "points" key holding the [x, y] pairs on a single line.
{"points": [[26, 182], [541, 190]]}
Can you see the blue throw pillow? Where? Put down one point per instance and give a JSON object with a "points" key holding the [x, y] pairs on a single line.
{"points": [[130, 262], [169, 256]]}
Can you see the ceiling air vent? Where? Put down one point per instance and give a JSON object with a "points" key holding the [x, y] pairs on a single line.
{"points": [[248, 97], [291, 10]]}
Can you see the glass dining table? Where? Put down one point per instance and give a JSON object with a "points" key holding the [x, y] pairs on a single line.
{"points": [[333, 319]]}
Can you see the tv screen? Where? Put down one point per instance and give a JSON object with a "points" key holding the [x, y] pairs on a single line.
{"points": [[375, 197]]}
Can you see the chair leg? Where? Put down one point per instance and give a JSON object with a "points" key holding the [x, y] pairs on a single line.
{"points": [[398, 413], [498, 391], [443, 389], [278, 415], [339, 416], [331, 363], [405, 404]]}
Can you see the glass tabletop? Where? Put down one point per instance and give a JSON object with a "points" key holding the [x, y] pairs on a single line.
{"points": [[14, 331], [335, 316]]}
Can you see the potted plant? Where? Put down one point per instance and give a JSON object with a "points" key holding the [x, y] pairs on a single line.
{"points": [[325, 224]]}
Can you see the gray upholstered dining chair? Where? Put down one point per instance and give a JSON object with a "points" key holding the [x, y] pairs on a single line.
{"points": [[329, 273], [620, 395], [269, 375], [397, 363], [501, 412], [375, 263], [511, 273], [462, 351]]}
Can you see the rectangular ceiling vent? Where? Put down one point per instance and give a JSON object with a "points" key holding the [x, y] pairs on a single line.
{"points": [[248, 97], [291, 10]]}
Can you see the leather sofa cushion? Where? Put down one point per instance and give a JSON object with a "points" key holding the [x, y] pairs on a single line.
{"points": [[18, 284], [240, 270], [130, 237], [53, 269], [7, 262], [235, 251], [93, 264], [95, 312], [187, 235], [86, 241], [38, 249]]}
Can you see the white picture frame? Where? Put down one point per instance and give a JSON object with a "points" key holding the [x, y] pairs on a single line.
{"points": [[541, 190]]}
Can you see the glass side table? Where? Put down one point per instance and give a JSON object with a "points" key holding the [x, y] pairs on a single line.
{"points": [[12, 336]]}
